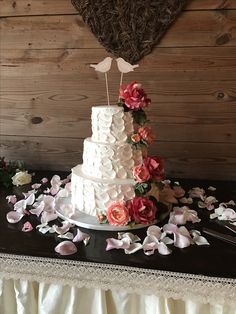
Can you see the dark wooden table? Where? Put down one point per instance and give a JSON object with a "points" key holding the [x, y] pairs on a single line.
{"points": [[216, 260]]}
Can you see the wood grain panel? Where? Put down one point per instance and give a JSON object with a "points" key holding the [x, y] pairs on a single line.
{"points": [[35, 7], [91, 90], [199, 122], [163, 64], [192, 28], [42, 7], [41, 32], [181, 159], [211, 4]]}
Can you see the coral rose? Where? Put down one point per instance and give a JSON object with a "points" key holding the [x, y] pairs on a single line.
{"points": [[146, 134], [134, 96], [155, 166], [141, 173], [135, 138], [142, 210], [117, 214]]}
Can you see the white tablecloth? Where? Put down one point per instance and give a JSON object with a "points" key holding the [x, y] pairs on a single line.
{"points": [[30, 285]]}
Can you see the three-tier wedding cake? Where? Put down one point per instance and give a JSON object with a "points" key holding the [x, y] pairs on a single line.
{"points": [[118, 182], [106, 174]]}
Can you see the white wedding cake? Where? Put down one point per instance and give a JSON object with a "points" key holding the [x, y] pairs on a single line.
{"points": [[106, 174], [118, 182]]}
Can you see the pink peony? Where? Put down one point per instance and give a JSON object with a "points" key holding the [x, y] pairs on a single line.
{"points": [[134, 96], [155, 166], [146, 134], [117, 214], [142, 210], [141, 173]]}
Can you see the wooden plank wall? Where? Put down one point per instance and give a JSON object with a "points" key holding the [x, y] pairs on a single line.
{"points": [[47, 88]]}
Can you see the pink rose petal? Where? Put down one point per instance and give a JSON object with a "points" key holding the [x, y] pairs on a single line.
{"points": [[54, 189], [44, 180], [36, 185], [27, 227], [14, 217], [66, 248], [20, 207], [46, 217], [134, 247], [163, 249], [64, 228], [117, 244], [155, 231], [81, 236], [11, 199], [38, 210]]}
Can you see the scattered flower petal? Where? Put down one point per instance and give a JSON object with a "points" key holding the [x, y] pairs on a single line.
{"points": [[64, 228], [26, 195], [117, 244], [154, 231], [36, 185], [132, 237], [81, 236], [197, 193], [211, 188], [163, 249], [46, 217], [208, 203], [43, 228], [67, 235], [186, 200], [27, 227], [11, 199], [66, 248], [44, 180], [198, 239], [134, 247], [14, 217]]}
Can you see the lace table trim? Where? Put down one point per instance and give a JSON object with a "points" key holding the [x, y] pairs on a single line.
{"points": [[130, 279]]}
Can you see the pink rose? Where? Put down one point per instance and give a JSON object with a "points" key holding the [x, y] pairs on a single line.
{"points": [[142, 210], [134, 96], [117, 214], [155, 166], [141, 173], [146, 134]]}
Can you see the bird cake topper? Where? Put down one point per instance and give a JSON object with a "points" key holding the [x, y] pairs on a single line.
{"points": [[105, 65]]}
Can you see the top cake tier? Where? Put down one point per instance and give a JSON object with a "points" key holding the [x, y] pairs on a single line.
{"points": [[110, 124]]}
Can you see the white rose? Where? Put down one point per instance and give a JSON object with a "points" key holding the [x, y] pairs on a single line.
{"points": [[21, 178]]}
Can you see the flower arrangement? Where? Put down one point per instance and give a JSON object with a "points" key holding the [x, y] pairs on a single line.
{"points": [[143, 208], [13, 173]]}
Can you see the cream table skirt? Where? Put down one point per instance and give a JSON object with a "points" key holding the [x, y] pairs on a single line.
{"points": [[30, 285]]}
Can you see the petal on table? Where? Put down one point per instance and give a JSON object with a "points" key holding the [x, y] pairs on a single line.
{"points": [[66, 248], [14, 217]]}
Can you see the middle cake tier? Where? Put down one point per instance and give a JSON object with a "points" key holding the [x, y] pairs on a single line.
{"points": [[109, 161]]}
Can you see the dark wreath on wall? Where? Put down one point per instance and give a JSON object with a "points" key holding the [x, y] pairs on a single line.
{"points": [[129, 28]]}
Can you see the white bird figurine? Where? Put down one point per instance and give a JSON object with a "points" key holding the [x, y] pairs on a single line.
{"points": [[103, 66], [124, 66]]}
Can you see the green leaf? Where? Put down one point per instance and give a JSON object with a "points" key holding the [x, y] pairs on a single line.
{"points": [[141, 188], [139, 117]]}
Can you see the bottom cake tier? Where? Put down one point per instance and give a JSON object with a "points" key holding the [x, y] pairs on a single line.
{"points": [[90, 195]]}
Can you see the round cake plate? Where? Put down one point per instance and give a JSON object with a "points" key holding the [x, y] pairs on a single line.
{"points": [[81, 219]]}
